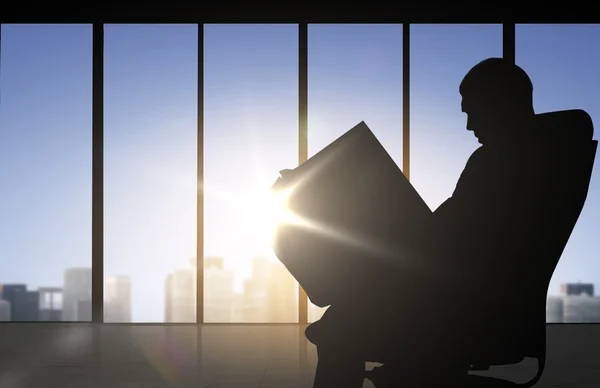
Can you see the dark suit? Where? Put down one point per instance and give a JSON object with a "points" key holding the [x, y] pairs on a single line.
{"points": [[467, 252]]}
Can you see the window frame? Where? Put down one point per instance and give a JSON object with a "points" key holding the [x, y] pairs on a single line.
{"points": [[508, 44]]}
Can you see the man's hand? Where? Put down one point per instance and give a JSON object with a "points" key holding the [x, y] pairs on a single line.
{"points": [[281, 182]]}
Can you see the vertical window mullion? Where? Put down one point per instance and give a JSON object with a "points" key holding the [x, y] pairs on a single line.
{"points": [[98, 173], [200, 182], [508, 41], [406, 100], [302, 134]]}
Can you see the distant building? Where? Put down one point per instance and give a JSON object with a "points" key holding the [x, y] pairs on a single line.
{"points": [[574, 289], [581, 309], [117, 299], [213, 262], [554, 309], [26, 307], [255, 292], [180, 296], [50, 304], [168, 297], [77, 287], [8, 294], [218, 291], [84, 310], [4, 311], [261, 271], [282, 295], [24, 304], [237, 308]]}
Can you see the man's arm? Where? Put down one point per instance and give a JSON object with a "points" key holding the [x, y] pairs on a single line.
{"points": [[461, 226]]}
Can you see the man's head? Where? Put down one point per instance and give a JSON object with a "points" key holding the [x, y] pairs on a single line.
{"points": [[497, 97]]}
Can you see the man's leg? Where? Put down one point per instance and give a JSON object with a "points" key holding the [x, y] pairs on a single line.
{"points": [[338, 326], [338, 369], [411, 338]]}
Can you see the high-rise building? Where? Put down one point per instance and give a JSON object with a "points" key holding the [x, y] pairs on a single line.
{"points": [[168, 297], [237, 308], [8, 294], [77, 287], [581, 309], [281, 294], [260, 272], [255, 291], [84, 309], [24, 304], [218, 291], [4, 311], [554, 309], [180, 296], [213, 262], [50, 304], [573, 289], [117, 299]]}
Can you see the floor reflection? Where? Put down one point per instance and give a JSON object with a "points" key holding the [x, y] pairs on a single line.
{"points": [[115, 355]]}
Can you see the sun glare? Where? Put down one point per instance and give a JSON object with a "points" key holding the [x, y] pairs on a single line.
{"points": [[270, 210]]}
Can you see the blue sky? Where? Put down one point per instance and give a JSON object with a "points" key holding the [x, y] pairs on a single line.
{"points": [[251, 115]]}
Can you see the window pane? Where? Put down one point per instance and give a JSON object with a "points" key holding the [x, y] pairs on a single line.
{"points": [[441, 55], [563, 62], [355, 74], [251, 133], [150, 172], [45, 170]]}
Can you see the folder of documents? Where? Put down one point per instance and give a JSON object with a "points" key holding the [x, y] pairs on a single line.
{"points": [[359, 211]]}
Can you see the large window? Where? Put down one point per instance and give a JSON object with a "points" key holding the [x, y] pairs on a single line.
{"points": [[440, 56], [45, 170], [251, 133], [355, 74], [563, 62], [150, 81]]}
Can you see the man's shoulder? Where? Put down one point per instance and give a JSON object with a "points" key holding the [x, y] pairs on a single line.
{"points": [[478, 153], [478, 157], [474, 166]]}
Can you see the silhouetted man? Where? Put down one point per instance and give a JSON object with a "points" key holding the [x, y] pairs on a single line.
{"points": [[463, 247]]}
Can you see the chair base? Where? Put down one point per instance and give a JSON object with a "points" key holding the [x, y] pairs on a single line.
{"points": [[474, 381], [382, 379]]}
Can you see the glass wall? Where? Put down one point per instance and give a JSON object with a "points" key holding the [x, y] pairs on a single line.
{"points": [[46, 172], [354, 75], [440, 56], [150, 100], [563, 62], [251, 133]]}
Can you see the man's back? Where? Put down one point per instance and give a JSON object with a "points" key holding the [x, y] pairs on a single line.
{"points": [[502, 208], [486, 224]]}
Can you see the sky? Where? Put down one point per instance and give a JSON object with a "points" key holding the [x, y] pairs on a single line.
{"points": [[251, 132]]}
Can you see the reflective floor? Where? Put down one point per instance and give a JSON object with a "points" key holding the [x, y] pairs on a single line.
{"points": [[219, 356]]}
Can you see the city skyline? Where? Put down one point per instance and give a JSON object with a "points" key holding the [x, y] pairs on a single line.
{"points": [[269, 295], [251, 132]]}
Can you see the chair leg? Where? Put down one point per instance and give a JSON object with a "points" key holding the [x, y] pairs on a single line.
{"points": [[336, 370], [424, 375]]}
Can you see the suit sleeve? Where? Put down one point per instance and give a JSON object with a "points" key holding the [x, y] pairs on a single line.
{"points": [[464, 227]]}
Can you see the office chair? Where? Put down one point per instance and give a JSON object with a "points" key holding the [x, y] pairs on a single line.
{"points": [[519, 330]]}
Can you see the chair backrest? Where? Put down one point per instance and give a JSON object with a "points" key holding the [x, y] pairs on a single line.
{"points": [[576, 175], [567, 178]]}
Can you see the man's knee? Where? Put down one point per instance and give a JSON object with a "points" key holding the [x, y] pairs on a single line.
{"points": [[342, 329], [337, 368]]}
